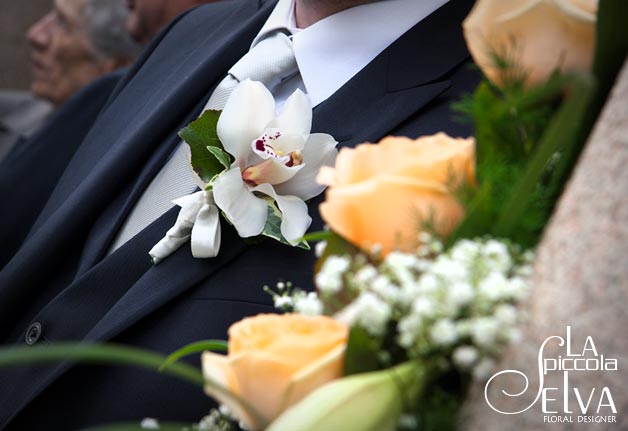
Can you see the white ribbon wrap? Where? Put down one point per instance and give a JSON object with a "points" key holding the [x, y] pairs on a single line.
{"points": [[199, 219]]}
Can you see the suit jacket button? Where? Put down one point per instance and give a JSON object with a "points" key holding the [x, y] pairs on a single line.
{"points": [[33, 333]]}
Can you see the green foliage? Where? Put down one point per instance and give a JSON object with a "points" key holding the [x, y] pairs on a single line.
{"points": [[96, 354], [196, 347], [540, 186], [438, 407], [136, 426], [272, 229], [113, 354], [221, 155], [529, 140], [208, 156], [611, 45], [509, 126], [317, 236], [361, 354]]}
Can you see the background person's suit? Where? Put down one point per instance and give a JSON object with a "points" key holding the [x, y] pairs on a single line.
{"points": [[31, 170], [79, 293], [21, 114]]}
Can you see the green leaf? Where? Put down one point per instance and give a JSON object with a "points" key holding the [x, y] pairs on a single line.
{"points": [[439, 407], [317, 236], [272, 229], [559, 137], [114, 354], [189, 349], [221, 155], [199, 135], [135, 426], [97, 354], [611, 43], [361, 354]]}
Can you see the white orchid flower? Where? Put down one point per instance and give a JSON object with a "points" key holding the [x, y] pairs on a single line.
{"points": [[275, 156]]}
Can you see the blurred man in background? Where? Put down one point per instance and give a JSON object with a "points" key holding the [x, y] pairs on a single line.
{"points": [[72, 45], [75, 43], [89, 37]]}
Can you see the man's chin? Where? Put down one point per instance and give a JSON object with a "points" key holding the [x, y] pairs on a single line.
{"points": [[42, 91]]}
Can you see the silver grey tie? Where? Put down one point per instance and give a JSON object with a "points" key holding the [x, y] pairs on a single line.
{"points": [[269, 62]]}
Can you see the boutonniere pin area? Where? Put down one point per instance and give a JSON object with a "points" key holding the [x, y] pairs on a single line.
{"points": [[254, 167]]}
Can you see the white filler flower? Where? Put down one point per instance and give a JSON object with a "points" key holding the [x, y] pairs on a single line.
{"points": [[275, 156]]}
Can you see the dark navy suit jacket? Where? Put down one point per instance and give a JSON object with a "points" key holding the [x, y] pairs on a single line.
{"points": [[62, 279], [31, 170]]}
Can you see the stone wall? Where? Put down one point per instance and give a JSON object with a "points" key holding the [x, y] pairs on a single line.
{"points": [[15, 18], [580, 280]]}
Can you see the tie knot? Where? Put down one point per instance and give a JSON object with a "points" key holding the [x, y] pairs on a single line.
{"points": [[269, 62]]}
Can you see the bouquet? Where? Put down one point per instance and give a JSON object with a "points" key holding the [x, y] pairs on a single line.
{"points": [[423, 273]]}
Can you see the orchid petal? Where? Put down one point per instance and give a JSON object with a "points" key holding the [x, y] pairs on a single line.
{"points": [[247, 113], [295, 219], [288, 143], [274, 143], [320, 150], [247, 212], [271, 171], [296, 117]]}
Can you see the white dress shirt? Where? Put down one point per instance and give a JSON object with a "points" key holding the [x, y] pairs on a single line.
{"points": [[333, 50]]}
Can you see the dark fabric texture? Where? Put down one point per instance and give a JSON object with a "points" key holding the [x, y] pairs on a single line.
{"points": [[63, 279], [31, 170]]}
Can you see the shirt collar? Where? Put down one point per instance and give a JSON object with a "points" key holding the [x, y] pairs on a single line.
{"points": [[332, 51]]}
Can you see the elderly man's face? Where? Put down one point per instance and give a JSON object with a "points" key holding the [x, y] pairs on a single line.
{"points": [[61, 56], [147, 17]]}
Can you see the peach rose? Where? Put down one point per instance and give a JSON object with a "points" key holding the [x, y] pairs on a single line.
{"points": [[381, 194], [274, 361], [537, 36]]}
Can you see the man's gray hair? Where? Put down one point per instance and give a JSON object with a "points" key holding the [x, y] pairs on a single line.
{"points": [[105, 26]]}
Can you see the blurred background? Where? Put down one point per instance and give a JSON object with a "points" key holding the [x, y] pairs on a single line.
{"points": [[16, 16]]}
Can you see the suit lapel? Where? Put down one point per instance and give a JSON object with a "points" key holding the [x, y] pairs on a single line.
{"points": [[399, 82], [163, 282], [109, 223]]}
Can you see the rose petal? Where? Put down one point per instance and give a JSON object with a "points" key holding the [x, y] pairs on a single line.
{"points": [[433, 158], [247, 113], [327, 368], [296, 117], [537, 37], [362, 212], [320, 150], [217, 369], [262, 380], [295, 218], [247, 212], [326, 176]]}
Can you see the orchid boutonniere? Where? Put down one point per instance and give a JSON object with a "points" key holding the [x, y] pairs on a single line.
{"points": [[253, 166]]}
